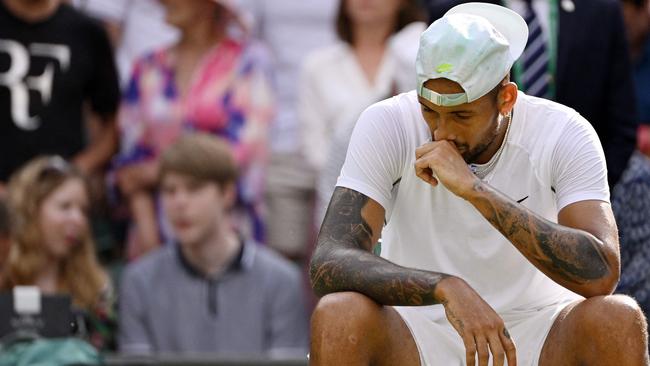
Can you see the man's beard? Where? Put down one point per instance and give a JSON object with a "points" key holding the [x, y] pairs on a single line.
{"points": [[471, 155]]}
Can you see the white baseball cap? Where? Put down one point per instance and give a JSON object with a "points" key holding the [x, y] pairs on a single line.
{"points": [[473, 44]]}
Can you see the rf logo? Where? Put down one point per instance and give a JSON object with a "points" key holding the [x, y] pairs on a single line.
{"points": [[19, 83]]}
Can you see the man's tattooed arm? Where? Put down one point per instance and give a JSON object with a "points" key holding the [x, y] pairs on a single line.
{"points": [[343, 260], [583, 262]]}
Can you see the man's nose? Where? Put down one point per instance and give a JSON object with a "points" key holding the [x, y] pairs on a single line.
{"points": [[442, 131], [179, 199]]}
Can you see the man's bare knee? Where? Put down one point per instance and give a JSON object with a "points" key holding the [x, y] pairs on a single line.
{"points": [[350, 311], [615, 321], [603, 330], [614, 311], [345, 326]]}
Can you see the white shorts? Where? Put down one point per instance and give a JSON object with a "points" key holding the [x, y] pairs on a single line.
{"points": [[440, 345]]}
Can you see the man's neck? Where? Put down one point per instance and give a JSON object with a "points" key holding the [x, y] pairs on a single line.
{"points": [[32, 10], [213, 256]]}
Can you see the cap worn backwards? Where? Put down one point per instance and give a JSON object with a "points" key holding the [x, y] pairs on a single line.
{"points": [[475, 45]]}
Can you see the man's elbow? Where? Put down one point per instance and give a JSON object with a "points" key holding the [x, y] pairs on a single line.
{"points": [[605, 286]]}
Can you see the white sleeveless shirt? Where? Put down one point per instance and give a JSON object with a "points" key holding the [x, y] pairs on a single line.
{"points": [[552, 157]]}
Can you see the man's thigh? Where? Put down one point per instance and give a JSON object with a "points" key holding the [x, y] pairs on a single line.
{"points": [[559, 347], [402, 349]]}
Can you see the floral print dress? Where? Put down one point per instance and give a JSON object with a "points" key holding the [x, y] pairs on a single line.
{"points": [[230, 95]]}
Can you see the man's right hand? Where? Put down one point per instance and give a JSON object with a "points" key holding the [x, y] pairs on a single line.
{"points": [[481, 328]]}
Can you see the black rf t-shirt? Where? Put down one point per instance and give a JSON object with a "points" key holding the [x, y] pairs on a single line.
{"points": [[48, 71]]}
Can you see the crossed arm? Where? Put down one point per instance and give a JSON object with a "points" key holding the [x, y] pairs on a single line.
{"points": [[580, 252], [343, 260]]}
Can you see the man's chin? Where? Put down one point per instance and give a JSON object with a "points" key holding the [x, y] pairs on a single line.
{"points": [[468, 157], [472, 156], [186, 237]]}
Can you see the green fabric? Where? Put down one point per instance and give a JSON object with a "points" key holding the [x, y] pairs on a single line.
{"points": [[50, 352]]}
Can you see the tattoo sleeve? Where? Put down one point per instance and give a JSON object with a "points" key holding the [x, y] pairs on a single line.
{"points": [[343, 261], [571, 257]]}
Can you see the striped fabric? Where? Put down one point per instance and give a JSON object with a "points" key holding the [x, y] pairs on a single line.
{"points": [[535, 59]]}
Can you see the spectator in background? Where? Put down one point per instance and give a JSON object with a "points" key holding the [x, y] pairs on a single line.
{"points": [[52, 246], [631, 196], [582, 45], [214, 80], [636, 14], [291, 29], [135, 27], [213, 291], [54, 61], [374, 59]]}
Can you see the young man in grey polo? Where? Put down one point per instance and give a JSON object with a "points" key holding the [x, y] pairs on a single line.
{"points": [[211, 292]]}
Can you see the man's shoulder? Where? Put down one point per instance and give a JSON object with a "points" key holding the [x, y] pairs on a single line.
{"points": [[540, 124], [544, 114], [76, 18], [65, 17], [530, 101], [150, 266]]}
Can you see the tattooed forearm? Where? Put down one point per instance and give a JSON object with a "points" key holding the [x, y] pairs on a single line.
{"points": [[343, 261], [563, 253]]}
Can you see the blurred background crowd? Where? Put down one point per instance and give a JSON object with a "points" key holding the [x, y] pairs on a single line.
{"points": [[166, 163]]}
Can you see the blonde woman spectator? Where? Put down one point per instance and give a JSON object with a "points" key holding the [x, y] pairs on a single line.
{"points": [[52, 246], [213, 80], [373, 60]]}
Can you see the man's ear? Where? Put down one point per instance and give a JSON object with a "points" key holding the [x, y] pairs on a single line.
{"points": [[507, 98], [229, 191]]}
